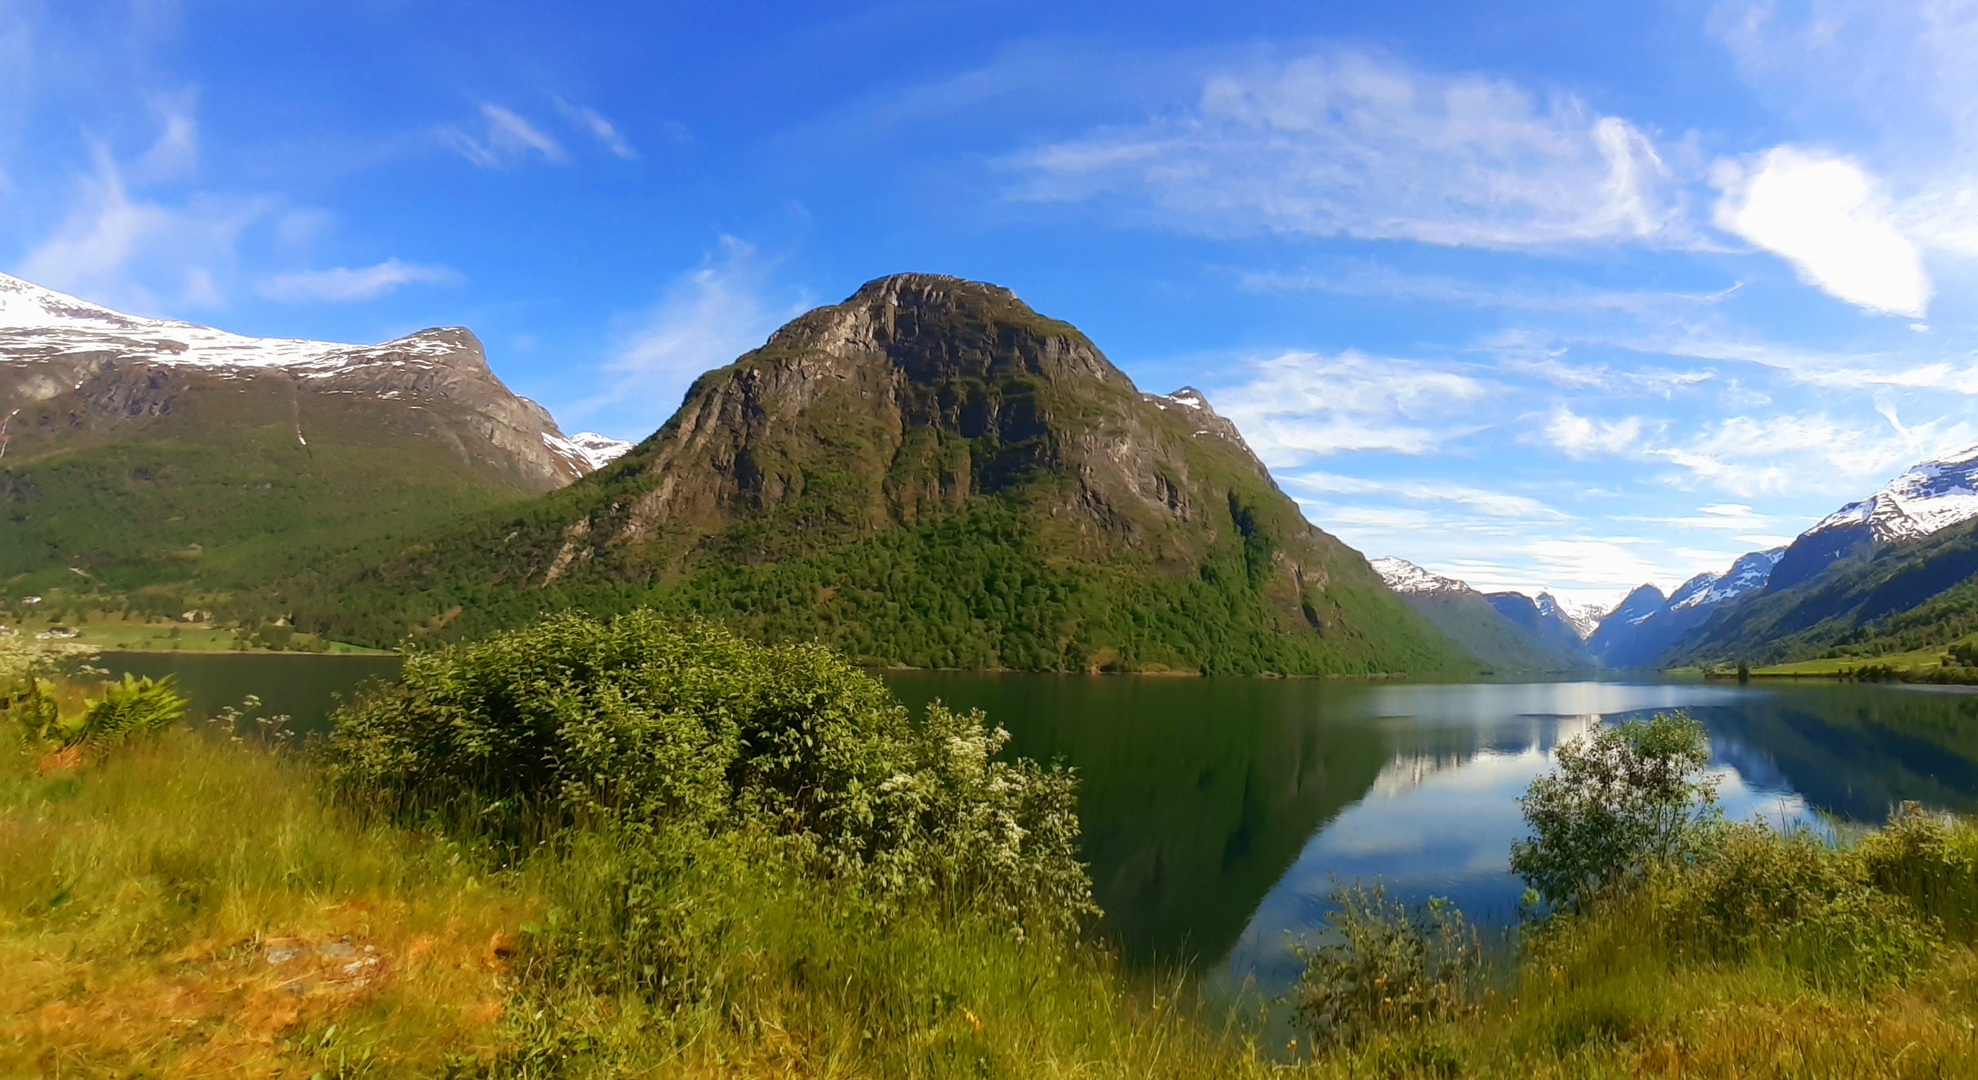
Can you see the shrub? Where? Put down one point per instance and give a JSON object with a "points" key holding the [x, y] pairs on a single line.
{"points": [[129, 708], [1385, 967], [1929, 861], [1620, 799], [649, 725], [1793, 897]]}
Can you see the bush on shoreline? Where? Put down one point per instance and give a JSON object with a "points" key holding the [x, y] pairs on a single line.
{"points": [[662, 731]]}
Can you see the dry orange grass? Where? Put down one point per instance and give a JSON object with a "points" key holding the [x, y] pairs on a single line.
{"points": [[191, 909]]}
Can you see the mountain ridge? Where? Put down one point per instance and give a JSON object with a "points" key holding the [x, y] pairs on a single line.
{"points": [[238, 458], [932, 473]]}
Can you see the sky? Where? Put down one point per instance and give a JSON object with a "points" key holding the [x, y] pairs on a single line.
{"points": [[1567, 296]]}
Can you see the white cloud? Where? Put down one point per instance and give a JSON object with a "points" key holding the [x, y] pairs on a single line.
{"points": [[1582, 437], [704, 319], [1300, 405], [506, 138], [1344, 143], [1824, 215], [176, 152], [1499, 504], [364, 283], [603, 130], [110, 240]]}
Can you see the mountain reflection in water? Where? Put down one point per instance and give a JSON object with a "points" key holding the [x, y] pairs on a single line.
{"points": [[1220, 813]]}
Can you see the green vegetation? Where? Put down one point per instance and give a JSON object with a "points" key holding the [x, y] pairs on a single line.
{"points": [[1621, 801], [1907, 597], [180, 905], [1500, 644], [981, 489], [982, 589]]}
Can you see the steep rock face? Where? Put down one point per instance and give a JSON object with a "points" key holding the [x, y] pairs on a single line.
{"points": [[930, 427]]}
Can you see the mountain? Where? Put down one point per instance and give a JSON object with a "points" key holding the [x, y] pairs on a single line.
{"points": [[1546, 619], [1500, 640], [1926, 499], [1646, 624], [141, 452], [1889, 573], [929, 473]]}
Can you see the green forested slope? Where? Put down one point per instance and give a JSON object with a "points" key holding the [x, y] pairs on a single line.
{"points": [[1903, 596], [929, 474]]}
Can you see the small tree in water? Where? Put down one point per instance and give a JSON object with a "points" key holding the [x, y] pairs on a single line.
{"points": [[1621, 798]]}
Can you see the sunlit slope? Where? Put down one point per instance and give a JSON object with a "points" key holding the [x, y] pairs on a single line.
{"points": [[932, 474]]}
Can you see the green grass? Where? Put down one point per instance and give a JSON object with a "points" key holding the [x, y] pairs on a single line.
{"points": [[144, 896], [123, 631]]}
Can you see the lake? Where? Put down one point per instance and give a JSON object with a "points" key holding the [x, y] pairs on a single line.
{"points": [[1218, 813]]}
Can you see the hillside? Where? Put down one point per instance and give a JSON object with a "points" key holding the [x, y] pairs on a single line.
{"points": [[1886, 574], [1480, 624], [931, 474], [1910, 594], [173, 460]]}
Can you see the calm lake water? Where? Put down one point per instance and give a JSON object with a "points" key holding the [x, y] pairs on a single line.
{"points": [[1218, 813]]}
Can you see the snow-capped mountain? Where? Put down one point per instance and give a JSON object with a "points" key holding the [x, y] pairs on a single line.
{"points": [[1928, 498], [1748, 574], [591, 448], [1581, 617], [1504, 631], [1643, 626], [1405, 577], [105, 368], [1934, 495], [1206, 421]]}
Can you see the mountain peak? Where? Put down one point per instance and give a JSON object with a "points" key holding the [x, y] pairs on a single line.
{"points": [[1405, 577]]}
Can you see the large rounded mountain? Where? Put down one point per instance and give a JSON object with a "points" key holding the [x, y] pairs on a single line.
{"points": [[933, 474]]}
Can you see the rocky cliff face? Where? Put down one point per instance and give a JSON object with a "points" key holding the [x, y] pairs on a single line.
{"points": [[923, 400]]}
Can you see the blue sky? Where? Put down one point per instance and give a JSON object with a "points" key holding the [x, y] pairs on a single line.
{"points": [[1541, 295]]}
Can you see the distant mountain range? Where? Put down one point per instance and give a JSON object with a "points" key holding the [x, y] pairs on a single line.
{"points": [[1507, 632], [151, 454], [1890, 572]]}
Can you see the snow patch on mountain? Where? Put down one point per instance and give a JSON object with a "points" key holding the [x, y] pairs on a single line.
{"points": [[1931, 496], [1747, 575], [595, 451], [1405, 577], [42, 324], [1581, 617]]}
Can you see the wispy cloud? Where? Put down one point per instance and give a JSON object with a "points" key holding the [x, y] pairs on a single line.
{"points": [[504, 138], [1562, 298], [1296, 406], [599, 128], [1497, 504], [340, 283], [1347, 143], [704, 319], [1582, 437], [118, 247]]}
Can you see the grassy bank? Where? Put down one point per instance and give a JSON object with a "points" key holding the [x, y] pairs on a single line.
{"points": [[189, 905]]}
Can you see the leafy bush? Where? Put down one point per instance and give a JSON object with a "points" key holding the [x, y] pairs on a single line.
{"points": [[1793, 897], [1385, 967], [650, 726], [1931, 862], [1620, 799], [46, 710]]}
